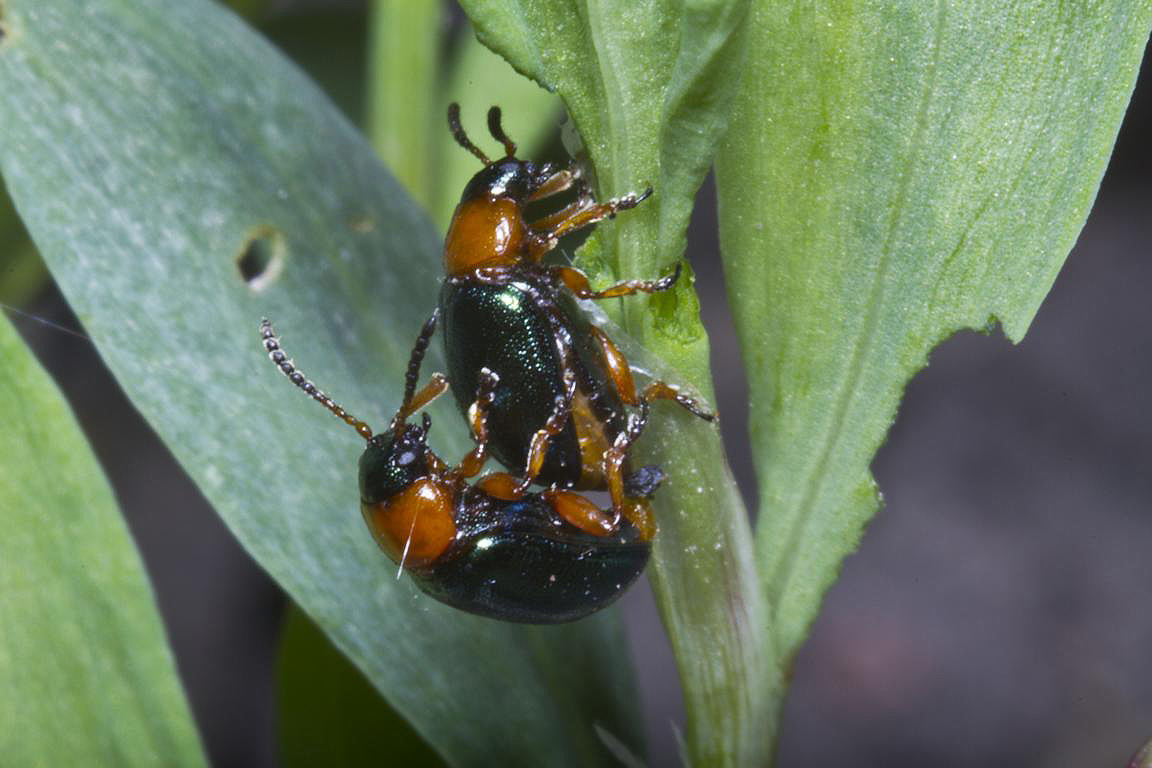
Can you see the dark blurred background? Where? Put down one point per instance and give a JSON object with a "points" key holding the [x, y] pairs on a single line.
{"points": [[996, 614]]}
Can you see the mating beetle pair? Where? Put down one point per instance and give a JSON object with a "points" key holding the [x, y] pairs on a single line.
{"points": [[544, 391]]}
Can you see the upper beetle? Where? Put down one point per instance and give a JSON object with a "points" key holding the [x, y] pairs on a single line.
{"points": [[558, 412]]}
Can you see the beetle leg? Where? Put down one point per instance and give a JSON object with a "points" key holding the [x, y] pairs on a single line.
{"points": [[472, 463], [621, 374], [561, 181], [500, 485], [634, 510], [617, 366], [553, 220], [436, 386], [659, 390], [577, 282], [579, 511], [544, 241], [555, 424]]}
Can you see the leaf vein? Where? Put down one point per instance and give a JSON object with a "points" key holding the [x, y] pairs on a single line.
{"points": [[778, 581]]}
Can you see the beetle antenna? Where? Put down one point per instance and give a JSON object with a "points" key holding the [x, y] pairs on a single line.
{"points": [[461, 137], [437, 383], [497, 132], [412, 375], [277, 355]]}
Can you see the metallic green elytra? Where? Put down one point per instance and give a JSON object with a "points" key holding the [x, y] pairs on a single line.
{"points": [[511, 328]]}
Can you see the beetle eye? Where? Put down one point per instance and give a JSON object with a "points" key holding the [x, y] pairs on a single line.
{"points": [[406, 458]]}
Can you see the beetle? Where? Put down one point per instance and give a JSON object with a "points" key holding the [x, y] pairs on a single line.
{"points": [[559, 408], [482, 547]]}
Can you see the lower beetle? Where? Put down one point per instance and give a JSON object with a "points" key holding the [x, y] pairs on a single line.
{"points": [[483, 547]]}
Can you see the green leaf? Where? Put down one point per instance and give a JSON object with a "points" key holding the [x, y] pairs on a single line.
{"points": [[402, 87], [477, 79], [22, 273], [647, 85], [330, 715], [146, 161], [893, 173], [86, 677], [409, 92]]}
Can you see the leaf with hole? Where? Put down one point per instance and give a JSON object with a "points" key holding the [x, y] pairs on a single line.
{"points": [[178, 151]]}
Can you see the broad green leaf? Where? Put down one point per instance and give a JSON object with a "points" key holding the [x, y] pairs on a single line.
{"points": [[146, 160], [330, 715], [895, 172], [86, 677], [647, 85]]}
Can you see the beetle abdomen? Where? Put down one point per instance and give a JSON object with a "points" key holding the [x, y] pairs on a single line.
{"points": [[527, 568]]}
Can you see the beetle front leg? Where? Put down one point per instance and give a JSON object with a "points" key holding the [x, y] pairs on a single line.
{"points": [[436, 386], [577, 216]]}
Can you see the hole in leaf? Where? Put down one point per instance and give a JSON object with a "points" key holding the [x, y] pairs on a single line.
{"points": [[262, 259]]}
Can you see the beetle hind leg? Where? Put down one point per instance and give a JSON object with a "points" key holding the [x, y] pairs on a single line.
{"points": [[624, 506]]}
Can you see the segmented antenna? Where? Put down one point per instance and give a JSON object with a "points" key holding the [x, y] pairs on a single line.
{"points": [[417, 358], [497, 132], [461, 137], [288, 368]]}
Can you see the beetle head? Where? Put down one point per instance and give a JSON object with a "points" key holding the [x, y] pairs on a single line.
{"points": [[394, 460]]}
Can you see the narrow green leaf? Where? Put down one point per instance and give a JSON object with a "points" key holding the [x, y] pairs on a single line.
{"points": [[648, 85], [403, 79], [147, 161], [330, 715], [895, 172], [86, 677]]}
